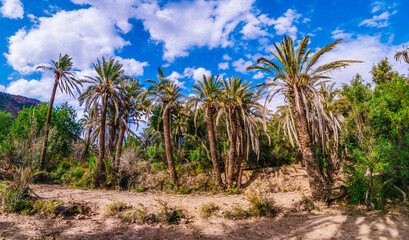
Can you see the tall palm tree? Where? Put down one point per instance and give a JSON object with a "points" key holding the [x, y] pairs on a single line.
{"points": [[240, 107], [403, 54], [208, 97], [166, 94], [89, 121], [296, 75], [132, 99], [103, 88], [65, 79]]}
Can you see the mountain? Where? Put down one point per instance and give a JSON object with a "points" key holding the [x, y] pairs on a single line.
{"points": [[15, 103]]}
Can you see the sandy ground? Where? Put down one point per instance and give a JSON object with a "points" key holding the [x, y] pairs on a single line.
{"points": [[328, 223]]}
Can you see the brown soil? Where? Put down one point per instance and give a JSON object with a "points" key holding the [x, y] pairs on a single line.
{"points": [[326, 223]]}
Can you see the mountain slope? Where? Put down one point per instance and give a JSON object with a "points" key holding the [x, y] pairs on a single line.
{"points": [[15, 103]]}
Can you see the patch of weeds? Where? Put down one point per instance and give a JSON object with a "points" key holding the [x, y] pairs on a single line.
{"points": [[45, 208], [185, 191], [138, 214], [307, 204], [167, 214], [208, 209], [236, 213], [15, 199], [232, 191], [262, 206], [140, 189], [116, 208]]}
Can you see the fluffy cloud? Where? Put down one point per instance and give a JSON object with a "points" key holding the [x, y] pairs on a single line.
{"points": [[284, 25], [223, 66], [12, 9], [226, 57], [196, 73], [117, 11], [132, 67], [205, 23], [175, 76], [258, 75], [241, 65], [365, 48], [84, 34], [2, 88]]}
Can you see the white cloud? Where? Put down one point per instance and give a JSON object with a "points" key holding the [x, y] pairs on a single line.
{"points": [[365, 48], [258, 75], [284, 25], [340, 33], [132, 67], [83, 34], [378, 21], [12, 9], [223, 66], [196, 73], [188, 24], [256, 26], [2, 88], [377, 6], [241, 65], [226, 57], [175, 76], [117, 11]]}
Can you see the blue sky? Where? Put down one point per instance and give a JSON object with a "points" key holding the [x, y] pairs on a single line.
{"points": [[188, 38]]}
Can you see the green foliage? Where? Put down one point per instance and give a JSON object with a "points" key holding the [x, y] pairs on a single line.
{"points": [[236, 213], [208, 209], [15, 199], [138, 214], [168, 214], [383, 73], [262, 206], [45, 208], [115, 208], [307, 204], [199, 159], [5, 123]]}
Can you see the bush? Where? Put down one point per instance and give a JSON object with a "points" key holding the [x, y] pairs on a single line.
{"points": [[167, 214], [262, 206], [139, 214], [15, 200], [236, 213], [115, 208], [307, 203], [45, 208], [208, 209]]}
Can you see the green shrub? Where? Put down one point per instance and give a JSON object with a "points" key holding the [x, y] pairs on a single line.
{"points": [[115, 208], [307, 204], [15, 200], [167, 214], [236, 213], [140, 189], [185, 191], [208, 209], [45, 208], [262, 206], [139, 214], [232, 191]]}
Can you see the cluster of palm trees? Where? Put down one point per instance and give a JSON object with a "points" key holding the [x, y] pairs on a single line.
{"points": [[231, 107]]}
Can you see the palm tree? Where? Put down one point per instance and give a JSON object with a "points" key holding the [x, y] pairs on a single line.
{"points": [[243, 116], [296, 76], [163, 92], [89, 121], [208, 97], [403, 54], [66, 81], [104, 88], [131, 103]]}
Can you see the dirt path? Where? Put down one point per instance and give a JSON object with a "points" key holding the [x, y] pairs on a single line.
{"points": [[328, 223]]}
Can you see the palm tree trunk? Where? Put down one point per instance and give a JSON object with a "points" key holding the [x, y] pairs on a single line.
{"points": [[101, 142], [315, 178], [47, 124], [232, 150], [122, 128], [86, 152], [168, 146], [212, 143]]}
